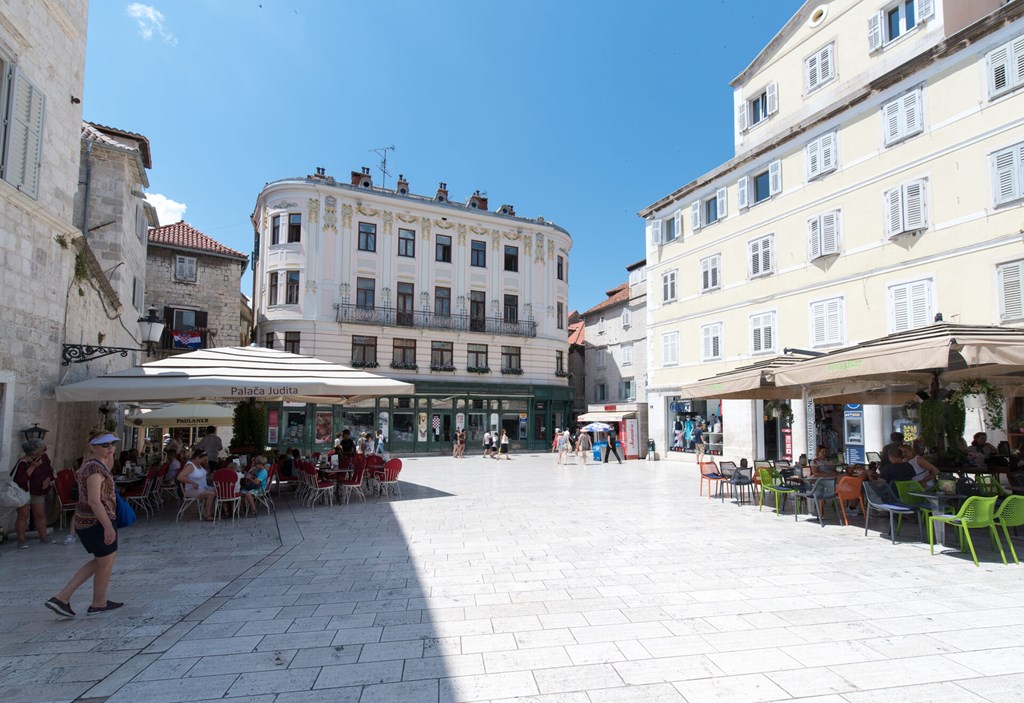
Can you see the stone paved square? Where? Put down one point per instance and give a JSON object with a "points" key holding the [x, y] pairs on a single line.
{"points": [[519, 581]]}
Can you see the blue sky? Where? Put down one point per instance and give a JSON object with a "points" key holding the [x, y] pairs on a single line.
{"points": [[583, 112]]}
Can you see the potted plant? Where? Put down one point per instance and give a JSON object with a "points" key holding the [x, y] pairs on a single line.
{"points": [[249, 426], [979, 394], [779, 409]]}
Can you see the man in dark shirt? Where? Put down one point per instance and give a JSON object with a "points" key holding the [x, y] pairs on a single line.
{"points": [[895, 440], [897, 469], [347, 446]]}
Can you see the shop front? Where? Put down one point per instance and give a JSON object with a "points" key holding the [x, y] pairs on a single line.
{"points": [[629, 421], [685, 415]]}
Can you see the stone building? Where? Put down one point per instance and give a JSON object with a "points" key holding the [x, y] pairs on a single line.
{"points": [[193, 281], [577, 365]]}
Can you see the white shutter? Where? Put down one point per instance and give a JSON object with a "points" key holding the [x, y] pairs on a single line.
{"points": [[893, 121], [756, 342], [811, 72], [695, 215], [913, 120], [813, 238], [626, 317], [834, 333], [715, 271], [754, 248], [828, 152], [924, 9], [656, 231], [1006, 169], [24, 136], [741, 191], [773, 97], [830, 233], [775, 177], [768, 331], [767, 255], [1011, 291], [893, 211], [914, 215], [1018, 61], [826, 66], [875, 23], [705, 274], [899, 308], [741, 116], [999, 70], [679, 224], [812, 156], [920, 304], [707, 343], [819, 334], [722, 202]]}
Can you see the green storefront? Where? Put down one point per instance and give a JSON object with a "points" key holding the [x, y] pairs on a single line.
{"points": [[426, 422]]}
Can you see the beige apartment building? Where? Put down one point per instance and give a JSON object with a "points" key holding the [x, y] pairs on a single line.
{"points": [[878, 182]]}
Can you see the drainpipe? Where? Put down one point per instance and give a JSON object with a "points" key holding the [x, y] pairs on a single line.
{"points": [[85, 204]]}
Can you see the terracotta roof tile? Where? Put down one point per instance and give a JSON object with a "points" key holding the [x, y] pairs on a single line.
{"points": [[618, 294], [578, 334], [140, 139], [184, 236]]}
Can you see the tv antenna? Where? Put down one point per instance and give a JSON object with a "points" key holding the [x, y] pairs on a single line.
{"points": [[382, 152]]}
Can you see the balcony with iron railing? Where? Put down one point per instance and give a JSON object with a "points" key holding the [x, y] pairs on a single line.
{"points": [[427, 319]]}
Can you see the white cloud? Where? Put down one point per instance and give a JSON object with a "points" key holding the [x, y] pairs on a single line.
{"points": [[168, 211], [151, 21]]}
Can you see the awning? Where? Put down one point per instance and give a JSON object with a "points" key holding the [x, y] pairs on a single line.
{"points": [[184, 415], [605, 416]]}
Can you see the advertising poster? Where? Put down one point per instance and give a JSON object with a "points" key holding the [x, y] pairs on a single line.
{"points": [[324, 426], [460, 421], [383, 424], [422, 428], [272, 426], [631, 438]]}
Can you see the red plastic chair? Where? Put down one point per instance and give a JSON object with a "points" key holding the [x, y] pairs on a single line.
{"points": [[389, 482], [225, 483], [317, 488], [353, 482], [64, 483], [140, 496]]}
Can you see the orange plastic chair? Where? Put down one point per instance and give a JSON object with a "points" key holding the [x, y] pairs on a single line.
{"points": [[850, 488], [709, 472]]}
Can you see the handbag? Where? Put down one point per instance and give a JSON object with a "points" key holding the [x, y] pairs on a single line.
{"points": [[967, 486], [14, 496], [125, 516]]}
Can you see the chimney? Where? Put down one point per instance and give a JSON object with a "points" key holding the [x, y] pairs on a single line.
{"points": [[320, 173], [507, 210], [477, 201], [403, 185], [362, 178], [442, 192]]}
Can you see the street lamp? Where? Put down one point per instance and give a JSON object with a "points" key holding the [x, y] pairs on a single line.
{"points": [[151, 328], [34, 432]]}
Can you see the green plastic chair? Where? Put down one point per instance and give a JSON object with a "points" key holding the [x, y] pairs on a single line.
{"points": [[989, 485], [921, 505], [976, 512], [771, 481], [1010, 514]]}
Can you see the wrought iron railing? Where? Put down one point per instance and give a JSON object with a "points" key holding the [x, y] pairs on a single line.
{"points": [[426, 319]]}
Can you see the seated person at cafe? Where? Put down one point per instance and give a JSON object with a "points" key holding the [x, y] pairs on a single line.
{"points": [[173, 466], [895, 441], [289, 464], [254, 482], [822, 465], [979, 450], [896, 469], [925, 472]]}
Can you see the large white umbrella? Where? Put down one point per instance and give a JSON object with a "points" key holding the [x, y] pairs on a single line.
{"points": [[235, 373]]}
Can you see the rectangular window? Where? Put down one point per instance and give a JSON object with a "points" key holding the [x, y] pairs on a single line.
{"points": [[442, 356], [560, 268], [364, 350], [406, 304], [627, 354], [291, 292], [711, 342], [367, 236], [291, 342], [899, 20], [668, 287], [710, 211], [560, 315], [478, 254], [269, 340], [511, 258], [670, 349], [407, 243], [442, 301], [627, 389], [477, 310], [819, 68], [1011, 291], [559, 362], [294, 228], [404, 353], [185, 269], [627, 318], [710, 273], [762, 256], [600, 392], [366, 292], [905, 208], [600, 325], [1008, 174], [668, 229], [1005, 67], [827, 322], [22, 108], [511, 308], [910, 305], [477, 358], [137, 292], [762, 333], [823, 235], [185, 320], [443, 248], [272, 289], [820, 155], [511, 359], [903, 117], [601, 358], [275, 229]]}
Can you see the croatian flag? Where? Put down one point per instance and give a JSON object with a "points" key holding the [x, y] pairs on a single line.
{"points": [[187, 340]]}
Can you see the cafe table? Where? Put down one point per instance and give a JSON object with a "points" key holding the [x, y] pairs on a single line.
{"points": [[938, 501]]}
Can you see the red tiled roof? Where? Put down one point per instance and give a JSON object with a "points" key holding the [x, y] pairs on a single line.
{"points": [[618, 294], [140, 139], [578, 334], [184, 236]]}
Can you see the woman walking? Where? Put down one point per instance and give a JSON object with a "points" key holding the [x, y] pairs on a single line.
{"points": [[94, 524], [503, 446], [584, 446]]}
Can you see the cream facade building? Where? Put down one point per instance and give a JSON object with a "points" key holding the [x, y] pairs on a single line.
{"points": [[468, 304], [878, 182]]}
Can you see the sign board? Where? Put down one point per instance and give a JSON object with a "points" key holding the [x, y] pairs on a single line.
{"points": [[272, 426], [853, 433], [632, 438]]}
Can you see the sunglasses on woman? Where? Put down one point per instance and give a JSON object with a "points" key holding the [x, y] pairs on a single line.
{"points": [[105, 445]]}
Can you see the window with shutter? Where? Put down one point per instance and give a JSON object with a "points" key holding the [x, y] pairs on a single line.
{"points": [[823, 235], [711, 342], [762, 333], [668, 229], [741, 116], [670, 349], [23, 150], [910, 305], [600, 325], [710, 274], [819, 68], [761, 256], [185, 269], [741, 191], [677, 221], [820, 155], [721, 203], [1008, 174], [627, 317], [656, 231], [695, 216], [775, 177], [826, 317], [903, 117], [772, 95], [905, 208], [1011, 291], [627, 354], [875, 31], [668, 287]]}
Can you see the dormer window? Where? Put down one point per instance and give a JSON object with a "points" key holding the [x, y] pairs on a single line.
{"points": [[756, 110], [893, 21]]}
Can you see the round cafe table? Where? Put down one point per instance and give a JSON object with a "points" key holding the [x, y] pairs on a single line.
{"points": [[938, 502]]}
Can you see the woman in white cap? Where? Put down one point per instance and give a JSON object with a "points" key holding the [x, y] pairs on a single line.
{"points": [[94, 525]]}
